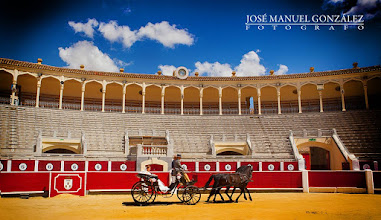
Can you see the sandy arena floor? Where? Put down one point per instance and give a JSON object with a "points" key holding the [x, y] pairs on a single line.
{"points": [[263, 206]]}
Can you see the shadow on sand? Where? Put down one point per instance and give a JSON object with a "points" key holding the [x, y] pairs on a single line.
{"points": [[152, 204]]}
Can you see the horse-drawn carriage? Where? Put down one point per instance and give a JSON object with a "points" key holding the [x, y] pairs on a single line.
{"points": [[147, 188]]}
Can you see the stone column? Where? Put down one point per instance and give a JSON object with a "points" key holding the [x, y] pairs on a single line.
{"points": [[201, 95], [182, 100], [143, 98], [162, 99], [14, 85], [278, 94], [342, 97], [366, 95], [321, 100], [103, 97], [38, 93], [300, 99], [61, 94], [239, 101], [83, 96], [259, 101], [124, 98], [220, 100]]}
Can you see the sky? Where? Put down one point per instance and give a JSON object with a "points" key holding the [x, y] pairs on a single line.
{"points": [[209, 37]]}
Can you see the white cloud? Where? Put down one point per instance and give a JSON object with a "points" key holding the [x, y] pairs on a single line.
{"points": [[283, 69], [167, 69], [166, 34], [213, 69], [369, 8], [84, 52], [250, 65], [115, 33], [163, 32], [87, 28], [335, 1]]}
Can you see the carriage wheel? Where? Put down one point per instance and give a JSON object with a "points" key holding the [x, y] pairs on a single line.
{"points": [[143, 193], [180, 193], [191, 195]]}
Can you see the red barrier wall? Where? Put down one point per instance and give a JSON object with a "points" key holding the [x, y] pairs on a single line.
{"points": [[42, 165], [271, 179], [377, 179], [67, 183], [28, 181], [16, 165], [336, 179]]}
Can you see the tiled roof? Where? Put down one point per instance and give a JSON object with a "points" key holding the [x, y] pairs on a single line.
{"points": [[34, 67]]}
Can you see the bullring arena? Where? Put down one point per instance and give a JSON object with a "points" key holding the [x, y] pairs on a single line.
{"points": [[313, 140]]}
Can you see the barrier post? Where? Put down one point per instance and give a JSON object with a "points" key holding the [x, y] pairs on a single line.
{"points": [[305, 183], [369, 181]]}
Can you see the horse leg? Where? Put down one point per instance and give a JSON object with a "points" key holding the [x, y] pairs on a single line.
{"points": [[231, 197], [248, 193], [227, 193], [210, 194], [244, 194], [219, 192], [239, 195]]}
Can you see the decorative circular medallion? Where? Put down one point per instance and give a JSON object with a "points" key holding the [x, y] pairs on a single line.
{"points": [[270, 167], [123, 167], [228, 167], [185, 167], [290, 167], [23, 166], [182, 72], [207, 167], [74, 167], [366, 166], [1, 166], [98, 167], [49, 167]]}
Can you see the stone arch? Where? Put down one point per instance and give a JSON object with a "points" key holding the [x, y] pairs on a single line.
{"points": [[153, 99], [27, 89], [93, 96], [172, 100], [289, 99], [269, 100], [6, 83], [61, 149], [72, 94], [134, 98], [310, 98], [246, 93], [50, 92], [374, 92], [113, 99], [354, 95], [332, 96], [191, 100], [231, 151], [210, 104], [230, 100], [154, 161]]}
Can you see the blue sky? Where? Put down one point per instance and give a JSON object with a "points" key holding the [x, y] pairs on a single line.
{"points": [[204, 36]]}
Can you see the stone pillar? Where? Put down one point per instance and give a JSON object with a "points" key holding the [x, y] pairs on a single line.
{"points": [[182, 100], [61, 94], [259, 101], [321, 100], [162, 99], [14, 85], [103, 97], [300, 99], [239, 101], [366, 95], [342, 97], [278, 94], [124, 99], [143, 98], [38, 93], [220, 100], [201, 95], [83, 96]]}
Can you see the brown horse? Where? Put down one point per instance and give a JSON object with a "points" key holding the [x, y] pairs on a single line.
{"points": [[239, 179]]}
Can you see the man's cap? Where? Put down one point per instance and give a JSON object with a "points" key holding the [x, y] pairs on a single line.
{"points": [[178, 155]]}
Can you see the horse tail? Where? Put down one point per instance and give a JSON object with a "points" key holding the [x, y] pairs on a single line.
{"points": [[208, 182]]}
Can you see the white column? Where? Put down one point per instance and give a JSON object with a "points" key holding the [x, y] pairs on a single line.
{"points": [[38, 93], [103, 97], [124, 99], [61, 94], [162, 99], [259, 101], [305, 183], [143, 98], [182, 100], [278, 94], [239, 101], [201, 95], [366, 95], [220, 100], [83, 96], [300, 100], [342, 97], [321, 100], [14, 85]]}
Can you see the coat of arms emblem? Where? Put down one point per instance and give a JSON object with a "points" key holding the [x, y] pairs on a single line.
{"points": [[68, 183]]}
